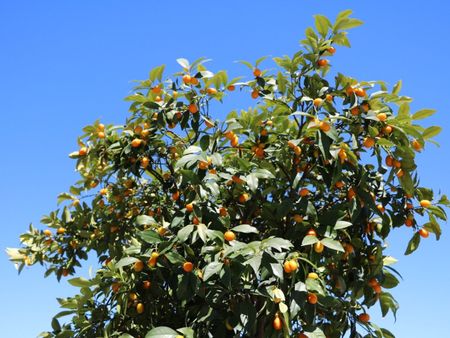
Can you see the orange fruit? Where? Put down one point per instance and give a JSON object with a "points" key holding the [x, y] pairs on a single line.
{"points": [[342, 155], [319, 247], [193, 108], [229, 135], [302, 335], [311, 232], [211, 91], [257, 72], [229, 236], [144, 162], [424, 233], [156, 90], [364, 318], [329, 98], [303, 192], [331, 50], [189, 207], [264, 132], [351, 193], [400, 173], [372, 282], [382, 117], [140, 308], [203, 165], [223, 212], [365, 107], [162, 231], [317, 102], [231, 88], [349, 90], [339, 184], [397, 163], [146, 284], [387, 130], [138, 266], [187, 79], [101, 134], [360, 92], [297, 150], [194, 81], [377, 288], [176, 195], [115, 287], [135, 143], [234, 141], [47, 232], [243, 198], [312, 275], [355, 111], [389, 161], [255, 94], [416, 145], [133, 296], [324, 126], [381, 208], [103, 191], [322, 63], [101, 127], [83, 151], [277, 323], [61, 230], [298, 218], [369, 142], [312, 298], [188, 266], [425, 203]]}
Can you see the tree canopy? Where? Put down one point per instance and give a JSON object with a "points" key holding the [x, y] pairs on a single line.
{"points": [[271, 223]]}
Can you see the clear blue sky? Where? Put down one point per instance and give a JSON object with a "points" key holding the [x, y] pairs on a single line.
{"points": [[64, 64]]}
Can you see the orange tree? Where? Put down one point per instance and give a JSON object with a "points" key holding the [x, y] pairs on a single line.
{"points": [[269, 224]]}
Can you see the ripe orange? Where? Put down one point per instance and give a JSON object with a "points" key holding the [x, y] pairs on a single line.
{"points": [[297, 150], [146, 284], [138, 266], [298, 218], [377, 288], [203, 165], [136, 143], [65, 272], [243, 198], [255, 94], [331, 50], [400, 173], [416, 145], [339, 184], [365, 107], [364, 318], [176, 195], [234, 141], [101, 127], [351, 193], [389, 161], [194, 81], [189, 207], [144, 162], [369, 142], [342, 155], [101, 134], [193, 108], [211, 91], [231, 88], [381, 208], [115, 287], [319, 247], [322, 63], [329, 98], [83, 151], [311, 232], [425, 203], [259, 153], [156, 90], [382, 117], [223, 212], [303, 192], [188, 266], [277, 323], [360, 92], [61, 230], [424, 233], [355, 111], [317, 102], [187, 79], [264, 132], [257, 72], [387, 130], [229, 236], [324, 126], [140, 308], [312, 298]]}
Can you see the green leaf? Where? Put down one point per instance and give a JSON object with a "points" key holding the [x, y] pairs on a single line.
{"points": [[211, 269], [424, 113], [245, 228], [389, 281], [332, 244], [126, 261], [309, 240], [150, 236], [431, 132], [161, 332], [183, 63], [387, 302], [80, 282], [413, 244], [126, 335], [185, 232], [322, 24], [144, 220], [252, 182], [342, 225], [397, 87]]}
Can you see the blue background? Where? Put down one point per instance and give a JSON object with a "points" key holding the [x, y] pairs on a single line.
{"points": [[64, 64]]}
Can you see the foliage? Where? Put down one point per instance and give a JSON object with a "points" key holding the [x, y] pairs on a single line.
{"points": [[269, 224]]}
